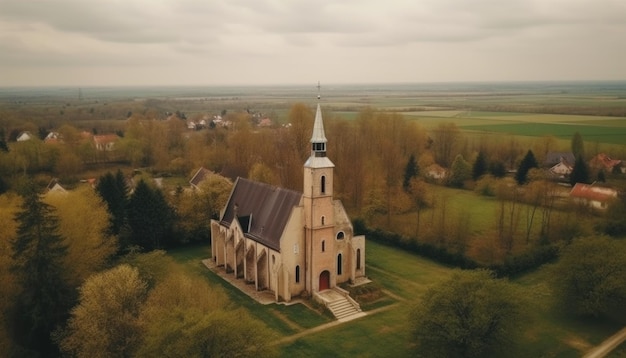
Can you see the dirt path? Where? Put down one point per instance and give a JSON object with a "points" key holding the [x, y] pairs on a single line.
{"points": [[607, 346], [326, 326]]}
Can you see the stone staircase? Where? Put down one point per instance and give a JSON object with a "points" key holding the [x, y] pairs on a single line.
{"points": [[342, 306]]}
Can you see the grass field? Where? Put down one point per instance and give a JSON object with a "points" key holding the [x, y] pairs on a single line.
{"points": [[385, 332]]}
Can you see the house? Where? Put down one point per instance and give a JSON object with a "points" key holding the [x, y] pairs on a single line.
{"points": [[55, 187], [53, 138], [435, 171], [562, 169], [199, 177], [554, 158], [265, 122], [25, 136], [594, 196], [105, 142], [604, 162], [291, 243]]}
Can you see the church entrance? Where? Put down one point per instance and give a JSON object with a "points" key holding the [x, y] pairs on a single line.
{"points": [[324, 280]]}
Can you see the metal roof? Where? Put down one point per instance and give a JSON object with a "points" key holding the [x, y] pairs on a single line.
{"points": [[262, 209], [318, 128]]}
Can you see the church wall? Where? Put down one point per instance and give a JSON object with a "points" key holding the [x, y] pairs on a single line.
{"points": [[293, 250]]}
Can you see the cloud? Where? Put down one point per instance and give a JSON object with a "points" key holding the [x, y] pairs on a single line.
{"points": [[278, 40]]}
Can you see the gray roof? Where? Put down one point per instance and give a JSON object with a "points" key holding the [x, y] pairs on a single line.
{"points": [[200, 175], [262, 210], [318, 127], [553, 158]]}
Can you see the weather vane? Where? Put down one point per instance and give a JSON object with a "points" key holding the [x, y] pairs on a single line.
{"points": [[318, 90]]}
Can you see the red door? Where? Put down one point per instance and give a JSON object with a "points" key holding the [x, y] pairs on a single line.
{"points": [[324, 280]]}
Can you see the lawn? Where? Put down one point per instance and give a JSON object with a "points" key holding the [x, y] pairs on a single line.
{"points": [[385, 332], [591, 133]]}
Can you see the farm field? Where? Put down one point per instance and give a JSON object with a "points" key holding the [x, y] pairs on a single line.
{"points": [[404, 277]]}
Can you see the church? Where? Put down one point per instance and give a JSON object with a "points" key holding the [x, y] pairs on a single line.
{"points": [[292, 244]]}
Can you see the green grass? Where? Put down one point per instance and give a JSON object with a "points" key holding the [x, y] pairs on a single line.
{"points": [[591, 133], [386, 333]]}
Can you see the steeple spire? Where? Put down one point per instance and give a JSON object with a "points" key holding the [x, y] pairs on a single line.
{"points": [[318, 139]]}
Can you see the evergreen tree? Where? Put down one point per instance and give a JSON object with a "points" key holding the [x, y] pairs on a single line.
{"points": [[480, 166], [497, 169], [38, 254], [410, 171], [525, 166], [580, 172], [150, 218], [460, 171], [114, 192], [578, 146], [3, 143]]}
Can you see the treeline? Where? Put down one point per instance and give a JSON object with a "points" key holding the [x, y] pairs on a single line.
{"points": [[511, 266], [82, 275]]}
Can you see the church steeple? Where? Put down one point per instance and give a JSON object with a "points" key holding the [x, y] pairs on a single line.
{"points": [[318, 139]]}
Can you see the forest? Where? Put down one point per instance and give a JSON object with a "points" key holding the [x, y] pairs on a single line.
{"points": [[92, 255]]}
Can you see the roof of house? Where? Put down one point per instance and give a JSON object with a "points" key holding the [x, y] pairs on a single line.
{"points": [[590, 192], [553, 158], [261, 209], [200, 175], [105, 138], [603, 160]]}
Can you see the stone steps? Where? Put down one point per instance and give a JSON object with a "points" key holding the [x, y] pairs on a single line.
{"points": [[343, 308]]}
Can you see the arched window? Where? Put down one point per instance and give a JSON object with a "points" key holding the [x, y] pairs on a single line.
{"points": [[358, 259], [323, 220], [298, 274], [323, 245], [323, 184], [339, 262], [340, 235]]}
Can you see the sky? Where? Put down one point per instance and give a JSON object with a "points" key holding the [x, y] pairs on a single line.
{"points": [[276, 42]]}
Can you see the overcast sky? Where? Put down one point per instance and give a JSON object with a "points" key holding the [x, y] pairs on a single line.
{"points": [[261, 42]]}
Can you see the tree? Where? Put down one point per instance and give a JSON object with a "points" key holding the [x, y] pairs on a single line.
{"points": [[472, 314], [445, 139], [480, 166], [580, 172], [418, 191], [195, 209], [410, 171], [38, 254], [150, 218], [105, 322], [9, 286], [185, 317], [497, 169], [527, 163], [590, 277], [578, 146], [84, 224], [460, 171], [114, 192]]}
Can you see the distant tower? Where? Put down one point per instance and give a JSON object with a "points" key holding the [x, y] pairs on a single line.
{"points": [[319, 210]]}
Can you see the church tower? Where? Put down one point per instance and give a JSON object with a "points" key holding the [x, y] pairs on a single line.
{"points": [[319, 212]]}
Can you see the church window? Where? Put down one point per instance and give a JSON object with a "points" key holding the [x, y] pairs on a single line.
{"points": [[340, 235], [358, 259], [339, 262], [323, 245], [273, 259], [323, 220], [323, 184], [298, 274]]}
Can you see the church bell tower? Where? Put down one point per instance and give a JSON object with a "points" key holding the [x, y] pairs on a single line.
{"points": [[319, 211]]}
